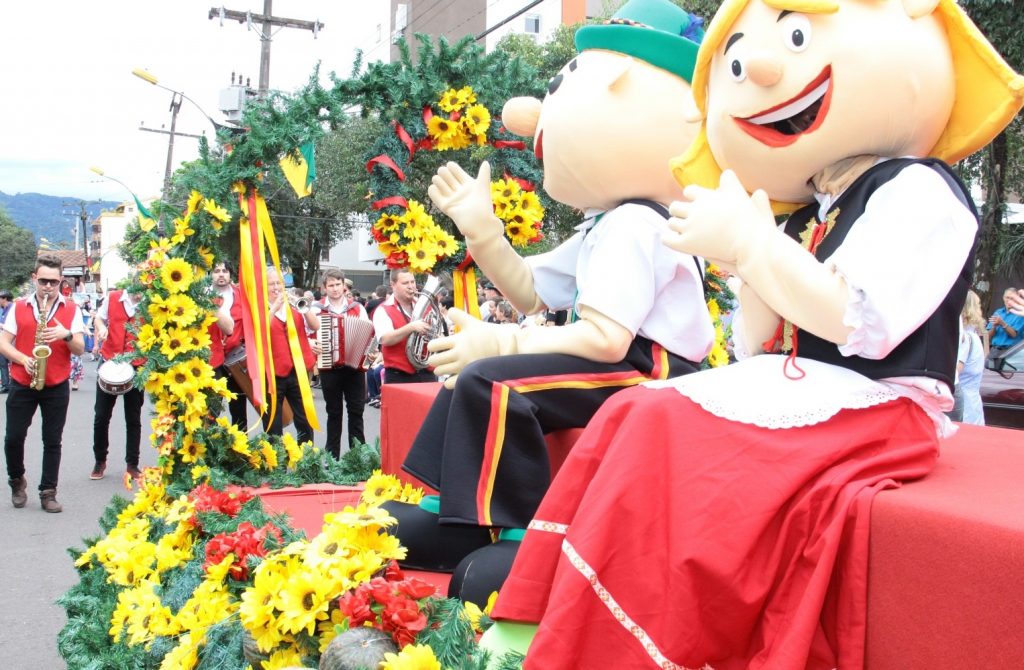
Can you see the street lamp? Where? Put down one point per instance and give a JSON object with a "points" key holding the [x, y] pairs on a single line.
{"points": [[176, 98]]}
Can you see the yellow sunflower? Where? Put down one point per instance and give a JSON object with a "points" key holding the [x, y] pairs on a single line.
{"points": [[449, 101], [194, 199], [388, 223], [411, 657], [465, 96], [146, 337], [444, 132], [175, 342], [181, 309], [445, 243], [176, 275], [476, 122], [305, 601], [182, 231], [530, 204], [422, 255]]}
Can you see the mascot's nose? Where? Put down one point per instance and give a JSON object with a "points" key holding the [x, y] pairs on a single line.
{"points": [[764, 70], [520, 116]]}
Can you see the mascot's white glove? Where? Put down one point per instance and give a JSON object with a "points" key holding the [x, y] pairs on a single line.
{"points": [[467, 201], [594, 336], [738, 232], [475, 339]]}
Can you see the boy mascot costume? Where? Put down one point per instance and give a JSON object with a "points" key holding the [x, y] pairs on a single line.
{"points": [[610, 122], [737, 536]]}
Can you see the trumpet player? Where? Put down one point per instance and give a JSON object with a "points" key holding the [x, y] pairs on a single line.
{"points": [[39, 336], [393, 323], [287, 376]]}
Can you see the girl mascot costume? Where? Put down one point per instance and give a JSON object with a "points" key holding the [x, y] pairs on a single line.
{"points": [[736, 536]]}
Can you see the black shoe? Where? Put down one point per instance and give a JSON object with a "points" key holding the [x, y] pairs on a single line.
{"points": [[432, 546], [3, 390], [98, 470], [483, 572]]}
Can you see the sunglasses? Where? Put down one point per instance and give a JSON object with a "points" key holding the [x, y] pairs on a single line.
{"points": [[48, 282]]}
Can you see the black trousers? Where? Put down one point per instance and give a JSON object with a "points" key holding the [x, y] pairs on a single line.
{"points": [[103, 411], [482, 444], [22, 402], [238, 409], [396, 376], [344, 388], [288, 389]]}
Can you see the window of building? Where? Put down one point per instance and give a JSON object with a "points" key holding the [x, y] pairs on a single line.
{"points": [[532, 24]]}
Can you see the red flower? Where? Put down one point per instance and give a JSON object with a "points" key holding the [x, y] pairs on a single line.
{"points": [[229, 501], [246, 541], [356, 606], [416, 588]]}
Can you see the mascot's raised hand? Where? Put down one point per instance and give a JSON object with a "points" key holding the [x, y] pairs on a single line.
{"points": [[720, 224], [467, 201]]}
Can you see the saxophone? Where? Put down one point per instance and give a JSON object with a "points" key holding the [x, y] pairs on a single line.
{"points": [[41, 351]]}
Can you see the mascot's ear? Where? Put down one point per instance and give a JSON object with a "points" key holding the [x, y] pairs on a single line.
{"points": [[617, 70], [520, 116], [915, 9], [691, 113]]}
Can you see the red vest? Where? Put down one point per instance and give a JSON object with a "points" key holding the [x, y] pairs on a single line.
{"points": [[119, 338], [394, 354], [58, 365], [221, 344], [279, 345]]}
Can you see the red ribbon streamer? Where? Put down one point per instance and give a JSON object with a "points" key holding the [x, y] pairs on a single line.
{"points": [[405, 139], [387, 162], [466, 263], [393, 200], [509, 144]]}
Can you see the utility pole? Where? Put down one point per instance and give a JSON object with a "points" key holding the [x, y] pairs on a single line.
{"points": [[268, 20], [83, 217], [171, 134]]}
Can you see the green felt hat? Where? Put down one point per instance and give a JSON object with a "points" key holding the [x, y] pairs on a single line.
{"points": [[655, 31]]}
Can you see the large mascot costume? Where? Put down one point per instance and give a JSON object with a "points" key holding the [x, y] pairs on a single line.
{"points": [[610, 122], [736, 537]]}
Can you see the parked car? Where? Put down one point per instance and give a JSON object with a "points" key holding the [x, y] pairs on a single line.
{"points": [[1002, 391]]}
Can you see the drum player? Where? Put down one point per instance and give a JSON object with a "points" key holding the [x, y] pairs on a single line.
{"points": [[341, 384], [114, 338]]}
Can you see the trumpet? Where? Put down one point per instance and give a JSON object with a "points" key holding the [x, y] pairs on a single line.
{"points": [[301, 305]]}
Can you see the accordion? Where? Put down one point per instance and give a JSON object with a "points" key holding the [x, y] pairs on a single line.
{"points": [[344, 340]]}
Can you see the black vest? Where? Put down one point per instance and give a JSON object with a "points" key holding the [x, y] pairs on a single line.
{"points": [[930, 351]]}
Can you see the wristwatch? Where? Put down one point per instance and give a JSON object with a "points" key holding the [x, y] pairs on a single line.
{"points": [[68, 337]]}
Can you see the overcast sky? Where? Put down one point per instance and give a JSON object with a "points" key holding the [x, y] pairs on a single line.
{"points": [[68, 99]]}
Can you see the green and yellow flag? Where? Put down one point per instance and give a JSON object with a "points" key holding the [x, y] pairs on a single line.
{"points": [[300, 172]]}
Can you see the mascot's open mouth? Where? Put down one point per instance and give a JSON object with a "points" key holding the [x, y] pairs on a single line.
{"points": [[538, 146], [784, 123]]}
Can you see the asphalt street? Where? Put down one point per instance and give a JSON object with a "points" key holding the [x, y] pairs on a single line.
{"points": [[36, 568]]}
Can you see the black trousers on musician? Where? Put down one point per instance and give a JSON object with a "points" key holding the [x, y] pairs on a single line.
{"points": [[288, 389], [344, 389], [22, 402], [482, 444], [104, 410], [239, 407]]}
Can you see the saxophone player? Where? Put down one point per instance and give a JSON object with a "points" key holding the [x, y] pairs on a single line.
{"points": [[39, 380]]}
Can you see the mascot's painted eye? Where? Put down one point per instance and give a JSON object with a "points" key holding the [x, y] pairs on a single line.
{"points": [[555, 82], [796, 32], [737, 70]]}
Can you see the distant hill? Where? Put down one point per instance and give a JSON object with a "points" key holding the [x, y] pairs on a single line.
{"points": [[50, 216]]}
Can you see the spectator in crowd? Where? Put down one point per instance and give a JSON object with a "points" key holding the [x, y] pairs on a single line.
{"points": [[1015, 302], [970, 363], [1006, 328], [504, 312], [5, 376], [380, 294]]}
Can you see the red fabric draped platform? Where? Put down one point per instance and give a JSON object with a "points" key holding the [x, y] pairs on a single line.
{"points": [[946, 567]]}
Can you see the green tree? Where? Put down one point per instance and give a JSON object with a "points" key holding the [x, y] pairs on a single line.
{"points": [[17, 253], [999, 167]]}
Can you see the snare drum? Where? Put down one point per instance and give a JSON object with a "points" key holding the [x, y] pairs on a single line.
{"points": [[116, 377], [234, 357]]}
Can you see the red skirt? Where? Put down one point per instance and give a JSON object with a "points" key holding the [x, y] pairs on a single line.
{"points": [[672, 538]]}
